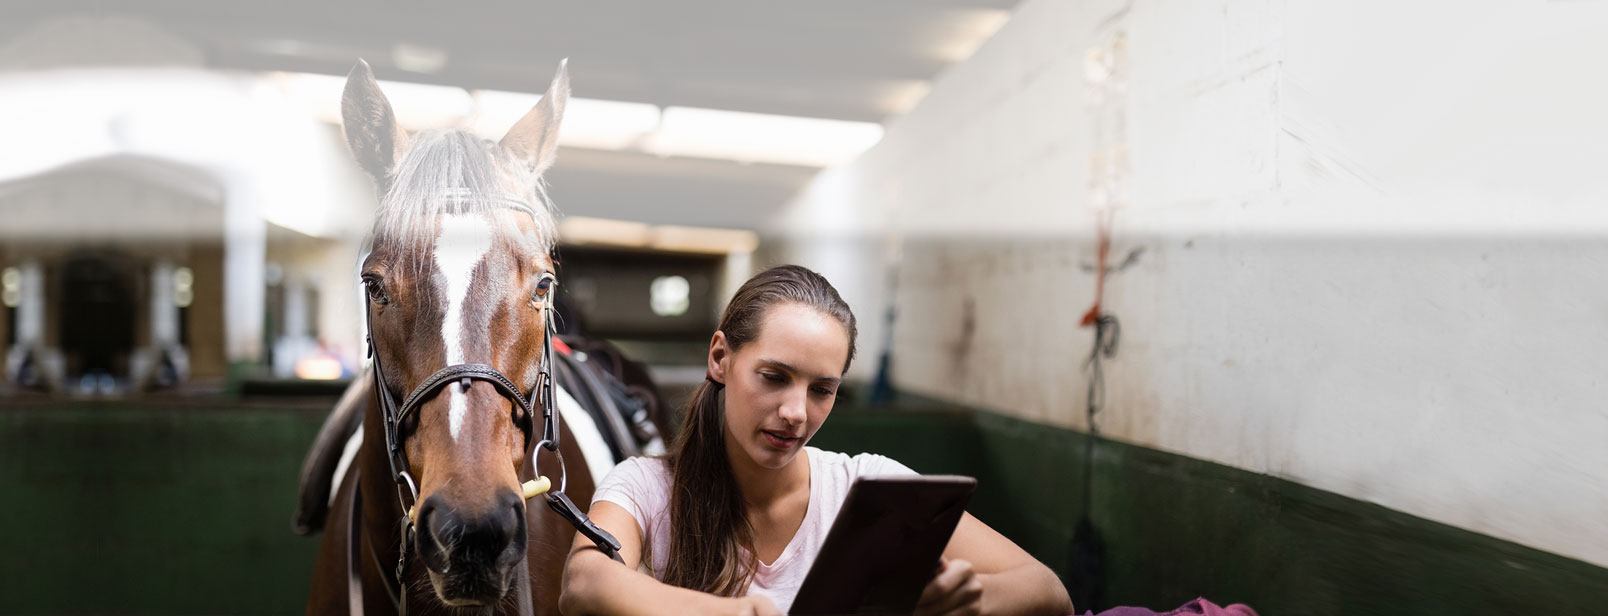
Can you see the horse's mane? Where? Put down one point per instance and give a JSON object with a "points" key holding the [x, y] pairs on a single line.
{"points": [[456, 172]]}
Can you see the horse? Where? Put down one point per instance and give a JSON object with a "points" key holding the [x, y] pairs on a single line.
{"points": [[428, 512]]}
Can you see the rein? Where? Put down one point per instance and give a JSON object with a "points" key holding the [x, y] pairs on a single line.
{"points": [[525, 407]]}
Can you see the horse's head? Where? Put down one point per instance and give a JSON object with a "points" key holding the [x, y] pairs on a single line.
{"points": [[459, 273]]}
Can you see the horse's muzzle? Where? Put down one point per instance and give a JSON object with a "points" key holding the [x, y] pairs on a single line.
{"points": [[472, 558]]}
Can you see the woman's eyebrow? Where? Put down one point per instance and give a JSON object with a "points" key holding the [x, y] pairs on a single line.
{"points": [[792, 370]]}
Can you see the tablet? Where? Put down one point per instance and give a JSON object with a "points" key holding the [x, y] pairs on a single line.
{"points": [[884, 546]]}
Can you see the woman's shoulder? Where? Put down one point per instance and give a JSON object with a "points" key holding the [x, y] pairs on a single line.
{"points": [[636, 474], [858, 465], [641, 485], [644, 464]]}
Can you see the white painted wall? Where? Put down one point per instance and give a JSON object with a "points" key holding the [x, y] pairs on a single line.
{"points": [[1374, 253]]}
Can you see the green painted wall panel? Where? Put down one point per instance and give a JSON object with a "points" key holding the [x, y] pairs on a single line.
{"points": [[144, 510], [184, 508], [1176, 528]]}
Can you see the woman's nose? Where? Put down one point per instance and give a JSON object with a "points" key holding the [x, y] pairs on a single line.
{"points": [[793, 408]]}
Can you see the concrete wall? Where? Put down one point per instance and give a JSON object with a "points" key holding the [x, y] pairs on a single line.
{"points": [[1366, 244]]}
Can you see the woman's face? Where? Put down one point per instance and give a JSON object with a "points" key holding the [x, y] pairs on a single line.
{"points": [[781, 385]]}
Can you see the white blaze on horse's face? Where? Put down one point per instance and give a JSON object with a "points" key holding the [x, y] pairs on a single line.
{"points": [[462, 244]]}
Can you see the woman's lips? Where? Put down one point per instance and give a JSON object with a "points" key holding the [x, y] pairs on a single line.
{"points": [[780, 440]]}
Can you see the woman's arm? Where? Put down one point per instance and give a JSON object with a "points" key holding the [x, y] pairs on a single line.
{"points": [[595, 584], [985, 573]]}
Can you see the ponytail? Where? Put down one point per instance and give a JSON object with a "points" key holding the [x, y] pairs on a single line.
{"points": [[705, 504]]}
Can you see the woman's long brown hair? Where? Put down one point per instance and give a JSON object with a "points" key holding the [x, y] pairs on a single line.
{"points": [[711, 541]]}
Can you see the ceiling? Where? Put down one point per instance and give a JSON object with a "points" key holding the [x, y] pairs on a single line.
{"points": [[840, 59]]}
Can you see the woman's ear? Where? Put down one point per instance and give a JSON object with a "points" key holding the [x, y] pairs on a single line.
{"points": [[719, 358]]}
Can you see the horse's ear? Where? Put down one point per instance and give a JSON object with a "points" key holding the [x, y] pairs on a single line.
{"points": [[534, 138], [371, 129]]}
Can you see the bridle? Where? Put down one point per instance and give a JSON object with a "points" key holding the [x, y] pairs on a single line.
{"points": [[525, 407]]}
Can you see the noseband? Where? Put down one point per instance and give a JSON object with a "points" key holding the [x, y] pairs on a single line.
{"points": [[524, 416]]}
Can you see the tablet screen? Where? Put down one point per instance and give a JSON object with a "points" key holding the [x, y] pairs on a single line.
{"points": [[884, 546]]}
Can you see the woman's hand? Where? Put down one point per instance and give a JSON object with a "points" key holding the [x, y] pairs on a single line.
{"points": [[955, 591]]}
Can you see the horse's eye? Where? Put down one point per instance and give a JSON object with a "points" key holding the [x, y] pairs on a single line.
{"points": [[376, 290], [544, 287]]}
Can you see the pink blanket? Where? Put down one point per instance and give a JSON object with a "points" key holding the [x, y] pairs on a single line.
{"points": [[1198, 607]]}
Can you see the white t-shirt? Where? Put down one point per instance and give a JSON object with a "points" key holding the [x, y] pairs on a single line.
{"points": [[642, 487]]}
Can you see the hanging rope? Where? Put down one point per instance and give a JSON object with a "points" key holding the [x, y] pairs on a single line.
{"points": [[1106, 332], [1106, 328]]}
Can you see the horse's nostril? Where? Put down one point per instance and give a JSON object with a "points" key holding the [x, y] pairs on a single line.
{"points": [[514, 551], [515, 502], [432, 522], [429, 528], [503, 525]]}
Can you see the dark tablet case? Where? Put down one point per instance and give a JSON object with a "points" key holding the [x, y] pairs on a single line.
{"points": [[884, 546]]}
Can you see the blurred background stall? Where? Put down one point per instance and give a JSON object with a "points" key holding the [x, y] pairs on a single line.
{"points": [[1351, 256]]}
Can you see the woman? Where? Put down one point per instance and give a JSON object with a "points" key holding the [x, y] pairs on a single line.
{"points": [[730, 521]]}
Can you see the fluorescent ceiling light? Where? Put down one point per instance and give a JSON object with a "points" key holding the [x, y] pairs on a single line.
{"points": [[757, 137], [588, 123], [418, 58], [901, 97], [971, 32], [417, 106], [607, 125]]}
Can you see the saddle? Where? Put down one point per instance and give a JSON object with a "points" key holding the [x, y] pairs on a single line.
{"points": [[616, 392]]}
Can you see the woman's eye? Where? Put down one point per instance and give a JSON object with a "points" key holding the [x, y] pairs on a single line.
{"points": [[376, 290], [823, 391], [774, 378]]}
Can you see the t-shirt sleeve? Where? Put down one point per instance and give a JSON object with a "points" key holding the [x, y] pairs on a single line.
{"points": [[874, 465], [634, 485]]}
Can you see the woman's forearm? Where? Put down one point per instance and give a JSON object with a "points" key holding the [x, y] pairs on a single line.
{"points": [[1031, 589], [596, 585]]}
